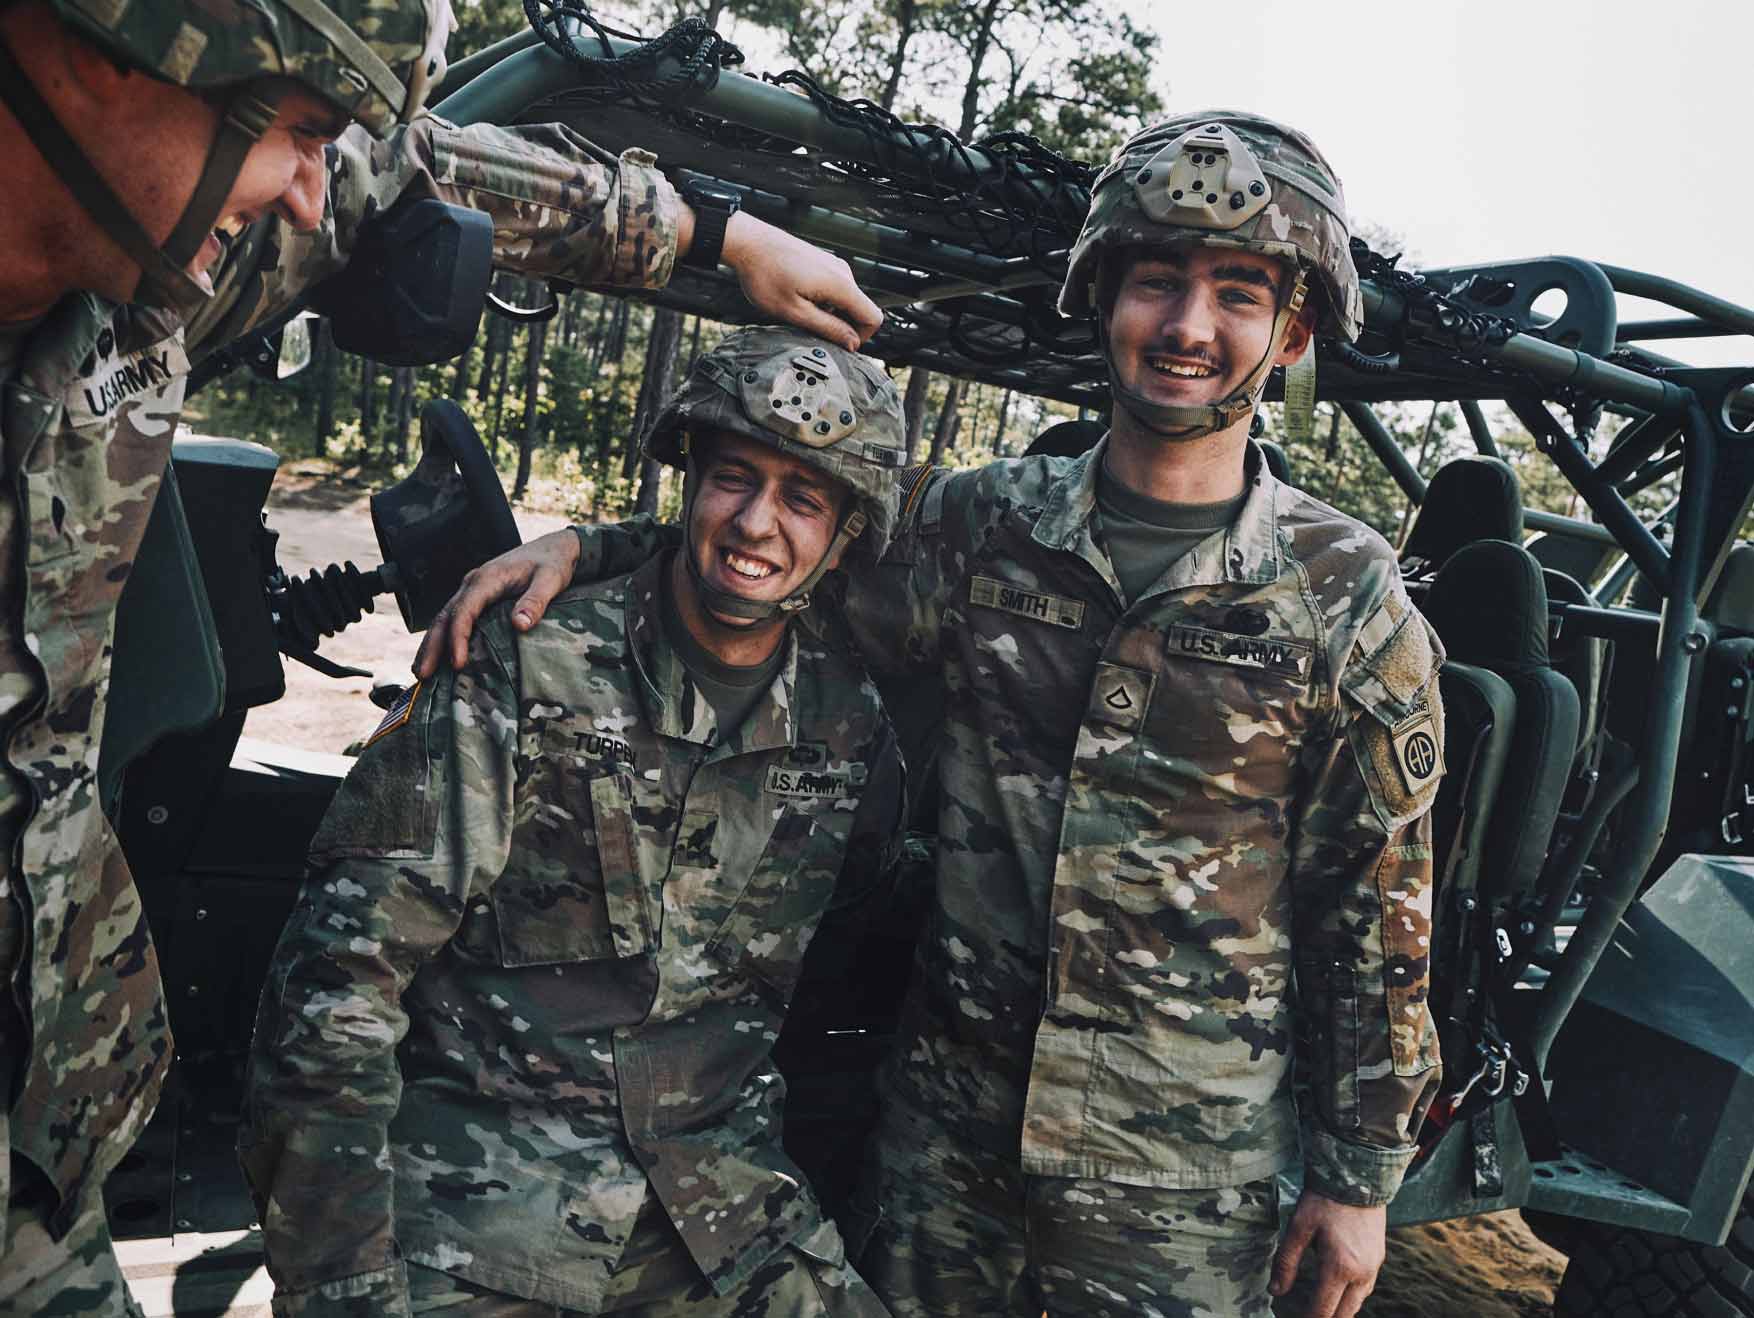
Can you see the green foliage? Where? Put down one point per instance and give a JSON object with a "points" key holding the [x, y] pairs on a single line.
{"points": [[480, 23]]}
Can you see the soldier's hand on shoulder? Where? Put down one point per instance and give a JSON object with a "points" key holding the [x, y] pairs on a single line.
{"points": [[1349, 1243], [794, 281], [541, 570]]}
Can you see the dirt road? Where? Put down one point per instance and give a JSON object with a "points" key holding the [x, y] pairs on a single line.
{"points": [[324, 519], [1484, 1267]]}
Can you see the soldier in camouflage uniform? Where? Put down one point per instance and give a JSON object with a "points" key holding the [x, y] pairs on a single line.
{"points": [[1189, 733], [519, 1028], [92, 390]]}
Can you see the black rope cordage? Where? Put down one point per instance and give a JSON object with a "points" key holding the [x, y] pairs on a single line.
{"points": [[1008, 196], [699, 51]]}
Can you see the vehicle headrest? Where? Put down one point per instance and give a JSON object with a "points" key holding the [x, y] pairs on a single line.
{"points": [[1471, 498], [1066, 439], [1277, 462], [1731, 602], [1488, 605]]}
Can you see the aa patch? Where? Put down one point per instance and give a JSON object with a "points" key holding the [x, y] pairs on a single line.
{"points": [[808, 784], [1035, 605], [398, 714], [1418, 752], [1269, 654]]}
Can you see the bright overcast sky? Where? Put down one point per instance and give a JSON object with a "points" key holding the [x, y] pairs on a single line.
{"points": [[1486, 130]]}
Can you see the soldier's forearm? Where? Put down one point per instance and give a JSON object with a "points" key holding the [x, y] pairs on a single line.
{"points": [[613, 549], [556, 211]]}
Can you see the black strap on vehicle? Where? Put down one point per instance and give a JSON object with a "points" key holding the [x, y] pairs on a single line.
{"points": [[1462, 904]]}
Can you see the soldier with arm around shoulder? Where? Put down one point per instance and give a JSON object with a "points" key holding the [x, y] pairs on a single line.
{"points": [[1191, 736]]}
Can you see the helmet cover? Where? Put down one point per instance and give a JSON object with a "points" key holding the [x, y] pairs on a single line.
{"points": [[831, 409], [1219, 178], [374, 60]]}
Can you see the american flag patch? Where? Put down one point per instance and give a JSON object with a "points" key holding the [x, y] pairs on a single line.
{"points": [[398, 714]]}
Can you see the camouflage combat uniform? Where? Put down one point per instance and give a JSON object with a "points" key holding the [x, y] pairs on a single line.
{"points": [[1154, 821], [1179, 843], [91, 399], [579, 909]]}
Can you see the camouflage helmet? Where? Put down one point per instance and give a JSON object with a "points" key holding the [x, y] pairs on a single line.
{"points": [[1221, 178], [831, 409], [374, 60]]}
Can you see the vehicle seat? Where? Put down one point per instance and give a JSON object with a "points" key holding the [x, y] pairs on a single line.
{"points": [[1585, 661], [1277, 462], [1471, 498], [1731, 602], [1582, 559], [1716, 762], [1489, 606]]}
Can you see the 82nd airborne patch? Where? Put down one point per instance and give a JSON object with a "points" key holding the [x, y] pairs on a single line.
{"points": [[1418, 754]]}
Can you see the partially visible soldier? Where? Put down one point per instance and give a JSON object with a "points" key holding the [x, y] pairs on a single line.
{"points": [[150, 151], [516, 1044], [1190, 737]]}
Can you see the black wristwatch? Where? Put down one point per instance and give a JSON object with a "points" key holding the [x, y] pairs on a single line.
{"points": [[713, 208]]}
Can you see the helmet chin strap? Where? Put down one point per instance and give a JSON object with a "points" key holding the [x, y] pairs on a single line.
{"points": [[721, 604], [1176, 422], [164, 277]]}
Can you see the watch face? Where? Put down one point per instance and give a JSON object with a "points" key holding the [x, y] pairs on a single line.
{"points": [[698, 194]]}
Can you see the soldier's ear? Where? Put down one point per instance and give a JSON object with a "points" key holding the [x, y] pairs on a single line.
{"points": [[93, 75], [1297, 336]]}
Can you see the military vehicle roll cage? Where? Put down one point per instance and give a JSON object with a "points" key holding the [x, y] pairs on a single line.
{"points": [[965, 246]]}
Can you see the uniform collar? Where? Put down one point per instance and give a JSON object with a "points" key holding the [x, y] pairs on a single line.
{"points": [[1245, 552], [673, 705]]}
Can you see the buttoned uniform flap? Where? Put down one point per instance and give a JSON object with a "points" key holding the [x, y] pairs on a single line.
{"points": [[573, 889], [1393, 661], [1395, 722], [769, 926]]}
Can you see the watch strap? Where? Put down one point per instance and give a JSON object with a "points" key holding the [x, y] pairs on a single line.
{"points": [[712, 215]]}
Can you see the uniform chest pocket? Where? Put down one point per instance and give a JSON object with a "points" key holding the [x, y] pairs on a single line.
{"points": [[576, 891], [774, 917]]}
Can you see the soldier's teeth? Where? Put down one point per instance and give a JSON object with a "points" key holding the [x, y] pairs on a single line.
{"points": [[1190, 372], [747, 567]]}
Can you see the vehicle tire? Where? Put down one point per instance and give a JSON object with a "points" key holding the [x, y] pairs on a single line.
{"points": [[1617, 1272]]}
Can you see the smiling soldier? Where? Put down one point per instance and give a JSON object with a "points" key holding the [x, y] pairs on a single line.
{"points": [[1189, 735], [519, 1026]]}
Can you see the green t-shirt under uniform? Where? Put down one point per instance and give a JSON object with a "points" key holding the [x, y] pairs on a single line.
{"points": [[1145, 535]]}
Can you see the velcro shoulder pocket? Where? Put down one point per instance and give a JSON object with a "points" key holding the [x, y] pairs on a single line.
{"points": [[1396, 725], [387, 805]]}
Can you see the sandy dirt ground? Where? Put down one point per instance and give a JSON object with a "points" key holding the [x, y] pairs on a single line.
{"points": [[1484, 1267], [324, 518]]}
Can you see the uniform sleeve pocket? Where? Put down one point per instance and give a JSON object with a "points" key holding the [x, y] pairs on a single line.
{"points": [[1404, 886], [1396, 728]]}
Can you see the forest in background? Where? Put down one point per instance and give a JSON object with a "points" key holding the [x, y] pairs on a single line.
{"points": [[567, 400]]}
